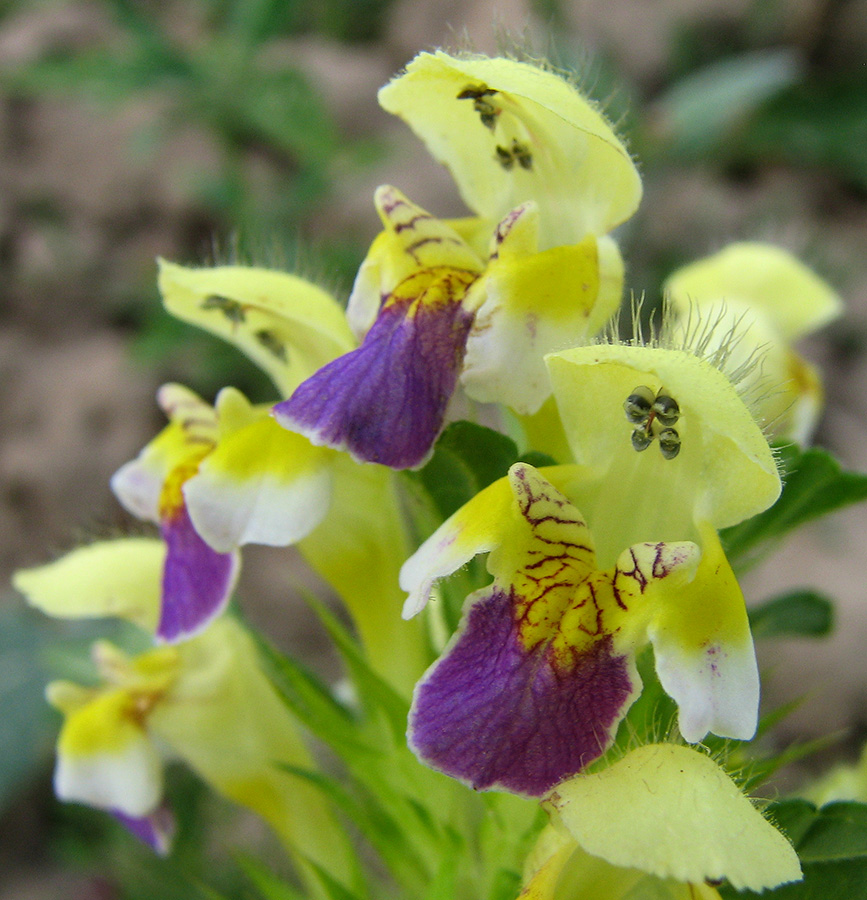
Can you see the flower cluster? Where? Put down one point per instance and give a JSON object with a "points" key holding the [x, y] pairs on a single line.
{"points": [[607, 555]]}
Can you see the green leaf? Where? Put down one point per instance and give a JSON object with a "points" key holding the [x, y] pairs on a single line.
{"points": [[798, 613], [467, 458], [838, 832], [444, 883], [269, 885], [375, 823], [832, 846], [814, 485], [334, 890], [373, 691], [312, 702], [27, 726], [697, 113], [822, 122]]}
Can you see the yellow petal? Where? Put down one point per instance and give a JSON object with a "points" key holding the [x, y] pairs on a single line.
{"points": [[535, 303], [413, 240], [762, 277], [286, 325], [673, 812], [724, 473], [704, 649], [540, 140], [191, 432], [105, 758], [475, 528], [110, 578], [261, 484]]}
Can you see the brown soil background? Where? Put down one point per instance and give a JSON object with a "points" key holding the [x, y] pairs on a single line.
{"points": [[84, 212]]}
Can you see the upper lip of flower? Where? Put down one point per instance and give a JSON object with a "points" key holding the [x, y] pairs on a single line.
{"points": [[724, 470], [512, 131]]}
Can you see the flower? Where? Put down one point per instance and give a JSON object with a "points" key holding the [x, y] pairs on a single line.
{"points": [[771, 299], [590, 562], [531, 688], [207, 700], [234, 476], [217, 478], [432, 313], [432, 305], [385, 401], [510, 131], [664, 821], [214, 479]]}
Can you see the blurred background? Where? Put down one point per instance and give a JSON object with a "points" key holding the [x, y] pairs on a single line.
{"points": [[216, 130]]}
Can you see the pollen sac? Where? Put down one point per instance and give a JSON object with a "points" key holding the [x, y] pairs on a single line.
{"points": [[652, 413], [521, 152], [231, 309], [517, 152], [641, 438], [665, 409], [478, 94], [638, 405], [505, 158], [669, 443], [272, 344]]}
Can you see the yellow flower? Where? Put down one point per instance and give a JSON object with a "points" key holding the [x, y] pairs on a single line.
{"points": [[531, 688], [663, 821], [209, 703], [770, 299], [512, 131], [476, 301]]}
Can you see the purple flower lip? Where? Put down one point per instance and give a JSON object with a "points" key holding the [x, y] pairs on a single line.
{"points": [[385, 402], [157, 829], [497, 715], [197, 580]]}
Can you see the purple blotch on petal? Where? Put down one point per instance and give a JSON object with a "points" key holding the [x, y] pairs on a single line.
{"points": [[496, 715], [385, 401], [197, 581], [156, 829]]}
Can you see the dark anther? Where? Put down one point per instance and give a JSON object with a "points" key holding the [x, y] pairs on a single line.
{"points": [[641, 439], [669, 443], [486, 110], [522, 153], [231, 309], [476, 92], [272, 344], [638, 405], [505, 158], [666, 409]]}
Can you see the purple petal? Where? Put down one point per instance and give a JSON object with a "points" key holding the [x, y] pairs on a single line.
{"points": [[157, 829], [385, 401], [197, 581], [497, 715]]}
